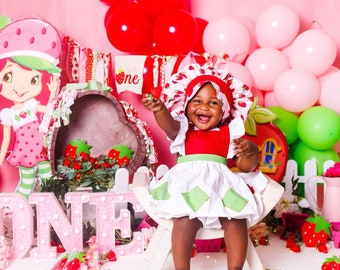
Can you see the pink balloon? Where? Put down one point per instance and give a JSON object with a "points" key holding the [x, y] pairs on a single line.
{"points": [[314, 51], [250, 25], [269, 99], [241, 73], [296, 90], [330, 91], [265, 65], [326, 74], [227, 35], [277, 26]]}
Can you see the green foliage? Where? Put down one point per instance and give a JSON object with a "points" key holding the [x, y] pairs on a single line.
{"points": [[79, 172]]}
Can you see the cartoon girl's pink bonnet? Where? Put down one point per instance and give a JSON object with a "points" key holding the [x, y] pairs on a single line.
{"points": [[182, 86], [32, 43]]}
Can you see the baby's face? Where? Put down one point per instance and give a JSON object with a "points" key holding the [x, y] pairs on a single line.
{"points": [[204, 110]]}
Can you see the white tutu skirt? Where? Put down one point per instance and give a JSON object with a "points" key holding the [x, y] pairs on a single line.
{"points": [[208, 190]]}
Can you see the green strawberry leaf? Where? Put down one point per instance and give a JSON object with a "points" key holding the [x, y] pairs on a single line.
{"points": [[334, 258], [320, 223], [124, 151], [250, 126], [257, 115], [262, 115], [81, 145]]}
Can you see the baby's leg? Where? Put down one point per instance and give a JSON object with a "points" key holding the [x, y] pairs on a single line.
{"points": [[183, 236], [236, 240]]}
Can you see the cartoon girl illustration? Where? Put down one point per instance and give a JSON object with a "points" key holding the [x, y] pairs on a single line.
{"points": [[25, 73]]}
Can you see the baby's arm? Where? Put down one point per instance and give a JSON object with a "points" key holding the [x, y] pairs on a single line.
{"points": [[246, 154], [162, 116]]}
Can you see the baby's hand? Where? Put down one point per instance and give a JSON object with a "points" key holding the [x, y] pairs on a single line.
{"points": [[246, 154], [151, 103], [244, 147]]}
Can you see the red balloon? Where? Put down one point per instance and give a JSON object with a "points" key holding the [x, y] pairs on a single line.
{"points": [[201, 23], [111, 11], [119, 6], [156, 7], [129, 30], [175, 32]]}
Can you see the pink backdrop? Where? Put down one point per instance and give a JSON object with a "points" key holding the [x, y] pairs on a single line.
{"points": [[83, 21]]}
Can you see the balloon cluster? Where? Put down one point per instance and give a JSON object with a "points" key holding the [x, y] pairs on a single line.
{"points": [[293, 71], [153, 27]]}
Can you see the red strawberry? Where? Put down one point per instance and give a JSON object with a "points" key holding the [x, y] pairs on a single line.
{"points": [[295, 248], [60, 264], [289, 243], [292, 245], [77, 147], [70, 151], [76, 166], [315, 231], [111, 256], [323, 248], [121, 153], [263, 241], [60, 248], [120, 76], [332, 263], [23, 114], [74, 261]]}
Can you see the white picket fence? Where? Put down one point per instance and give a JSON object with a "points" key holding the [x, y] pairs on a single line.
{"points": [[310, 179]]}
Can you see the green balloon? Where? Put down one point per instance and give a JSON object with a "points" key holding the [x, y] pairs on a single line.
{"points": [[319, 127], [287, 122], [302, 153]]}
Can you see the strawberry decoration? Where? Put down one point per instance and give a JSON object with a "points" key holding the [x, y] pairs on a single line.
{"points": [[77, 147], [315, 232], [332, 263], [121, 153], [120, 76], [71, 261], [293, 246], [293, 243], [111, 256], [60, 264], [264, 240], [60, 247]]}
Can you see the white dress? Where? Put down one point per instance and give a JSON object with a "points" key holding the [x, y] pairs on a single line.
{"points": [[202, 186]]}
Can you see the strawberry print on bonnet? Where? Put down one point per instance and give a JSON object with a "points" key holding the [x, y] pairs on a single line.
{"points": [[182, 86]]}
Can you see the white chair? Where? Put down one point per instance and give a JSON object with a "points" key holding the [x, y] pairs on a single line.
{"points": [[160, 245]]}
